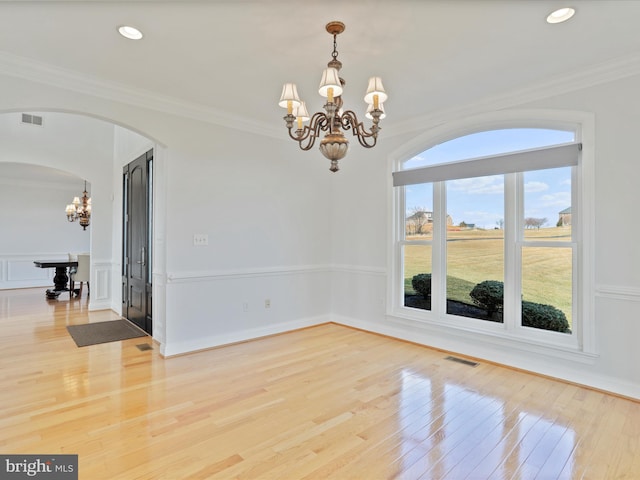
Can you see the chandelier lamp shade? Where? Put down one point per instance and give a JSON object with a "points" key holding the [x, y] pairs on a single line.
{"points": [[333, 121], [80, 209]]}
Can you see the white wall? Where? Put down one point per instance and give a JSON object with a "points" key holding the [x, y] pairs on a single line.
{"points": [[616, 107], [266, 212], [282, 227], [32, 218], [75, 144], [264, 205], [33, 226]]}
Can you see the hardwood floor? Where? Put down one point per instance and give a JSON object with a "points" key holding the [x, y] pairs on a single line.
{"points": [[325, 402]]}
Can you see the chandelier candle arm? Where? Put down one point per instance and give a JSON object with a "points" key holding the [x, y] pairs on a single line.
{"points": [[333, 121], [366, 138], [306, 136], [370, 109]]}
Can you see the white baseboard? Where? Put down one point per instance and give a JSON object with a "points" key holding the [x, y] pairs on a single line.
{"points": [[575, 373], [178, 348], [104, 304]]}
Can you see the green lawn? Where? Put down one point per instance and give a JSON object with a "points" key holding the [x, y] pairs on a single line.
{"points": [[477, 255]]}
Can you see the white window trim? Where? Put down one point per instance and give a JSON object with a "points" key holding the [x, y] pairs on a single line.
{"points": [[582, 123]]}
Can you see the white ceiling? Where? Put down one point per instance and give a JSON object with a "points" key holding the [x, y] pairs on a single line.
{"points": [[228, 59]]}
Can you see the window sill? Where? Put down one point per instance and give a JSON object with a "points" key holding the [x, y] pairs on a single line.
{"points": [[492, 334]]}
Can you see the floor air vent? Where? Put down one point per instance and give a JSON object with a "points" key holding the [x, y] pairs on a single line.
{"points": [[463, 361], [144, 346]]}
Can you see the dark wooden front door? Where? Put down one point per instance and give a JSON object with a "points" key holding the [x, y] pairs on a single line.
{"points": [[136, 242]]}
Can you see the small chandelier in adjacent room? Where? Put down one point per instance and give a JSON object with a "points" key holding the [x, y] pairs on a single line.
{"points": [[80, 209], [334, 121]]}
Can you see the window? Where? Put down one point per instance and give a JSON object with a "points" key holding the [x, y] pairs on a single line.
{"points": [[489, 236]]}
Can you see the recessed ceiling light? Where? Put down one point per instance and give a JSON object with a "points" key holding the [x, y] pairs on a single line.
{"points": [[132, 33], [561, 15]]}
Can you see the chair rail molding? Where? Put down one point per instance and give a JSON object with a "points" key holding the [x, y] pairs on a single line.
{"points": [[618, 292], [205, 275]]}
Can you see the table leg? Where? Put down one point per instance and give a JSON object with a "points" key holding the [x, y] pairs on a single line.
{"points": [[60, 281]]}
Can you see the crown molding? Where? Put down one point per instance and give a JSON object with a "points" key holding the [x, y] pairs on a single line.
{"points": [[605, 72], [24, 68], [27, 69]]}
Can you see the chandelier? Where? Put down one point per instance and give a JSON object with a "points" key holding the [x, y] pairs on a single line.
{"points": [[334, 121], [80, 209]]}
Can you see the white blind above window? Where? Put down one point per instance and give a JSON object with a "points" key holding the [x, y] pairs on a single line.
{"points": [[526, 160]]}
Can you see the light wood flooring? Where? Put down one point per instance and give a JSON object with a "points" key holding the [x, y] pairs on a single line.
{"points": [[326, 402]]}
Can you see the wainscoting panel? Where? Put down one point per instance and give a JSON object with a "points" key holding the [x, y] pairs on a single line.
{"points": [[208, 309], [100, 285], [18, 271], [159, 307]]}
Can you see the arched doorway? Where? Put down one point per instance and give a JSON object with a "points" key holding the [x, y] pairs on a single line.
{"points": [[94, 149]]}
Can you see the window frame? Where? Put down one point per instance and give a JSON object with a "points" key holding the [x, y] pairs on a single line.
{"points": [[582, 339]]}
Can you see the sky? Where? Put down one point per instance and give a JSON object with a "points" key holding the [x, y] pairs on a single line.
{"points": [[480, 200]]}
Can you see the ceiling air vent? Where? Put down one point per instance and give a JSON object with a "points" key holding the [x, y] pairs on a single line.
{"points": [[32, 119]]}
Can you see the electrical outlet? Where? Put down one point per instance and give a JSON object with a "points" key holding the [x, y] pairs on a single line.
{"points": [[245, 306], [267, 303], [200, 239]]}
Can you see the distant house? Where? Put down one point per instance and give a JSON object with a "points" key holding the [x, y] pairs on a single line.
{"points": [[425, 217], [422, 222], [565, 217], [419, 222]]}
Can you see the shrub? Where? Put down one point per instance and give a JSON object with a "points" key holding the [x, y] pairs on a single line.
{"points": [[488, 295], [546, 317], [421, 283]]}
